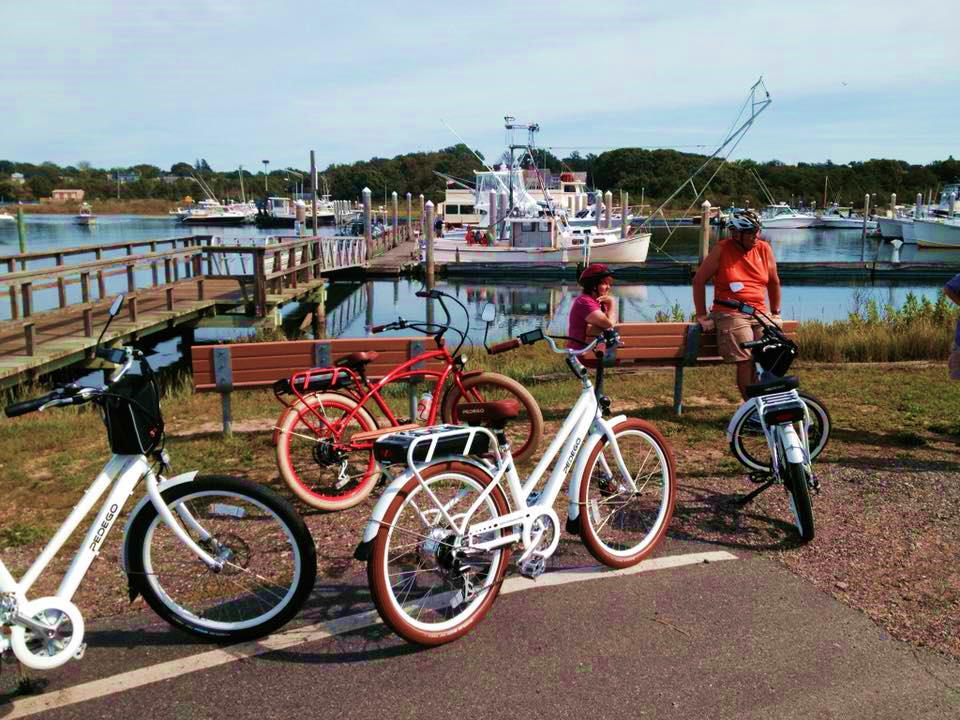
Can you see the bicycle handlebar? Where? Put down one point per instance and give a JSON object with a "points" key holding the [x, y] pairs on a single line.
{"points": [[504, 346]]}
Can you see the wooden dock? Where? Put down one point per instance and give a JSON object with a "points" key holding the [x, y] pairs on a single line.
{"points": [[168, 292]]}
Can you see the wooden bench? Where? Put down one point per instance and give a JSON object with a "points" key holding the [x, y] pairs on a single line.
{"points": [[256, 365], [676, 345]]}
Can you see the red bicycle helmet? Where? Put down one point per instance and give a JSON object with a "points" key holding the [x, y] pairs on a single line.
{"points": [[594, 273]]}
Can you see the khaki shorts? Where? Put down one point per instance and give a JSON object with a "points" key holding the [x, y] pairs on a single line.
{"points": [[733, 330], [954, 363]]}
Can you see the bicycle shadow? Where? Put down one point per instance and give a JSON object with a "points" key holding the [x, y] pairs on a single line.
{"points": [[706, 515]]}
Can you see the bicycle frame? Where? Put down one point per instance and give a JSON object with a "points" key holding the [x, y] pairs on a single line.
{"points": [[581, 429], [404, 372], [123, 472], [764, 403]]}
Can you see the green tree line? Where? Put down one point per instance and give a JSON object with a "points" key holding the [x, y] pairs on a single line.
{"points": [[655, 174]]}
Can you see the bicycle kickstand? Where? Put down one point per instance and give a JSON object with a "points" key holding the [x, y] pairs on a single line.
{"points": [[741, 501]]}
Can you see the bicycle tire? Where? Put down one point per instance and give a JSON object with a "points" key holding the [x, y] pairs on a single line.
{"points": [[315, 479], [524, 433], [749, 446], [270, 568], [427, 563], [795, 482], [621, 527]]}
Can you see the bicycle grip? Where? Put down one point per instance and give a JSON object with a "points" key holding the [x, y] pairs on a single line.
{"points": [[378, 328], [504, 346], [27, 406]]}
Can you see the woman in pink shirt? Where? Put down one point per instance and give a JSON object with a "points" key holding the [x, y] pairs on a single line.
{"points": [[593, 307]]}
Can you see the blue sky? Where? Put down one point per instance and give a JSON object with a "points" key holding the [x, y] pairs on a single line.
{"points": [[120, 83]]}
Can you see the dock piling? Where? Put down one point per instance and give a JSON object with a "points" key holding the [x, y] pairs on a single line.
{"points": [[22, 233], [409, 219], [624, 222], [608, 198], [704, 230], [367, 229]]}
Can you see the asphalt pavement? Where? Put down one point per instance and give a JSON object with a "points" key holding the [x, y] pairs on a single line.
{"points": [[726, 635]]}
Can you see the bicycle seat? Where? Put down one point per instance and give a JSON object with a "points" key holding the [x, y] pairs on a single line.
{"points": [[791, 382], [494, 413], [357, 360]]}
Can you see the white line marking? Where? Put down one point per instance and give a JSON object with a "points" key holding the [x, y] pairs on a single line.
{"points": [[310, 633]]}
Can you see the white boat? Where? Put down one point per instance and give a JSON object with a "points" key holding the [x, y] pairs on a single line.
{"points": [[546, 240], [784, 216], [7, 217], [937, 232], [212, 212], [842, 217], [85, 216], [282, 212]]}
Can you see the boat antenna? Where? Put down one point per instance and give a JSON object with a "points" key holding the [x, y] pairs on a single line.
{"points": [[243, 195], [482, 162]]}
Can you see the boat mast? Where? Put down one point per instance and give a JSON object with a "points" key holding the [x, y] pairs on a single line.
{"points": [[511, 125]]}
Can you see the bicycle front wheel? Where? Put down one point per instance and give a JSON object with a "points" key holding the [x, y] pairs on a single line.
{"points": [[798, 490], [523, 432], [428, 586], [313, 460], [749, 444], [269, 559], [623, 518]]}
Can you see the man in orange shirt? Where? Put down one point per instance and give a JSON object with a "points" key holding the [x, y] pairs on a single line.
{"points": [[742, 268]]}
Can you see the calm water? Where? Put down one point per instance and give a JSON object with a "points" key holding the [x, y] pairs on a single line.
{"points": [[521, 306]]}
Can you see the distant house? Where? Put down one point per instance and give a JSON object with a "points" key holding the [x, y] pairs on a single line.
{"points": [[17, 178], [123, 177], [65, 195]]}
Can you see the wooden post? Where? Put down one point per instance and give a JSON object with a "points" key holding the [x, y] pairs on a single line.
{"points": [[624, 204], [396, 219], [409, 219], [367, 228], [428, 271], [22, 233], [608, 198], [503, 209], [893, 205], [61, 287], [492, 215], [704, 230], [313, 182], [423, 215], [863, 235], [153, 265], [916, 208]]}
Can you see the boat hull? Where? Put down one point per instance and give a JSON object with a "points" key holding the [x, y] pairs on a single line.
{"points": [[788, 223], [937, 234], [631, 250], [890, 228]]}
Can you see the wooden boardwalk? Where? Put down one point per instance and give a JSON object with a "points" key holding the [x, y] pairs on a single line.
{"points": [[168, 293]]}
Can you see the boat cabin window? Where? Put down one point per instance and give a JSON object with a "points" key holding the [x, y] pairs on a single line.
{"points": [[466, 209], [569, 188], [449, 209]]}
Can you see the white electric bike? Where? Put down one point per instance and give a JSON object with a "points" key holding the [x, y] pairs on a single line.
{"points": [[218, 557], [793, 427], [439, 541]]}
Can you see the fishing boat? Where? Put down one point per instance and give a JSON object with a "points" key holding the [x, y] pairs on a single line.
{"points": [[842, 218], [85, 216], [783, 216], [543, 240], [212, 212], [941, 227]]}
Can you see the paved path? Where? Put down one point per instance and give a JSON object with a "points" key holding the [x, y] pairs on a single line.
{"points": [[736, 637]]}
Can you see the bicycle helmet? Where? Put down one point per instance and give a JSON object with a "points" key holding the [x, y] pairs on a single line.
{"points": [[593, 274], [744, 220]]}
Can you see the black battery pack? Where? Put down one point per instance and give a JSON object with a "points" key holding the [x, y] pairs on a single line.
{"points": [[460, 441]]}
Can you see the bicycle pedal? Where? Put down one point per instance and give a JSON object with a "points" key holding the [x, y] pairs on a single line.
{"points": [[533, 567]]}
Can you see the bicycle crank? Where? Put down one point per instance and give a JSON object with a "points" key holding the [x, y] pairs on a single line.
{"points": [[48, 632]]}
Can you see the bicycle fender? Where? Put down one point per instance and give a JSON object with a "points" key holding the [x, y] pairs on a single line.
{"points": [[373, 526], [741, 411], [168, 483], [573, 491], [792, 447]]}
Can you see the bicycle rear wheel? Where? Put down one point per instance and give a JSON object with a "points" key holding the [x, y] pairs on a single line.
{"points": [[311, 460], [426, 584], [524, 432], [623, 519], [749, 444], [269, 559]]}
